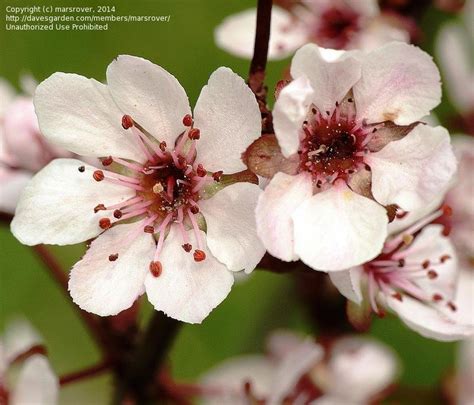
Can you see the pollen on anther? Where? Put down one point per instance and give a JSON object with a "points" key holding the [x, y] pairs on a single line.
{"points": [[194, 134], [98, 175], [187, 247], [113, 257], [199, 255], [217, 175], [447, 210], [163, 146], [127, 122], [81, 169], [201, 172], [107, 161], [149, 229], [425, 264], [105, 223], [99, 207], [187, 120], [401, 263], [118, 214], [437, 297], [155, 269], [432, 274], [397, 296], [443, 258], [407, 239]]}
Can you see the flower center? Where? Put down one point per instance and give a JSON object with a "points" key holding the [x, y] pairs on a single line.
{"points": [[167, 189], [394, 273], [336, 27], [333, 145]]}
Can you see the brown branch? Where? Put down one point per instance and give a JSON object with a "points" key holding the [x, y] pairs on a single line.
{"points": [[88, 372], [138, 375], [259, 62]]}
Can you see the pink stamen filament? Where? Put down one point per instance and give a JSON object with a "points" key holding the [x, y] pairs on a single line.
{"points": [[128, 165], [142, 145], [131, 208], [125, 184], [161, 238], [197, 232], [200, 183], [391, 245], [125, 203]]}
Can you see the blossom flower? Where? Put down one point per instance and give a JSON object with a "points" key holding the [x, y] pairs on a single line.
{"points": [[349, 132], [453, 45], [417, 277], [23, 150], [339, 24], [162, 178], [36, 382], [295, 371]]}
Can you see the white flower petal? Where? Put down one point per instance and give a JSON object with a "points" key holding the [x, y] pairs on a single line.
{"points": [[291, 109], [187, 290], [348, 363], [13, 182], [378, 32], [413, 171], [106, 287], [274, 209], [464, 297], [37, 383], [428, 321], [399, 224], [337, 229], [236, 34], [78, 114], [366, 8], [293, 366], [226, 381], [150, 95], [228, 116], [453, 51], [399, 83], [18, 338], [431, 245], [57, 206], [348, 282], [331, 80], [231, 229], [282, 342]]}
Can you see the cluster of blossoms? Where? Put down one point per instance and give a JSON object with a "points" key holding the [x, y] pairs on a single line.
{"points": [[335, 24], [296, 370]]}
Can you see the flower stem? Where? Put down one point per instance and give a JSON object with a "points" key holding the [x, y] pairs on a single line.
{"points": [[259, 62], [85, 373], [136, 381]]}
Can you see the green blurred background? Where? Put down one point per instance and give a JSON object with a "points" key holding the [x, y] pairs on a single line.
{"points": [[185, 47]]}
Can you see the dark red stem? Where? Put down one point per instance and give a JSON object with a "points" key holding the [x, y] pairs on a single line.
{"points": [[88, 372]]}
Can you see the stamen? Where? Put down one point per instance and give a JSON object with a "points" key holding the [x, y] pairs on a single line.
{"points": [[199, 255], [125, 203], [161, 238], [187, 120], [98, 175], [197, 232], [107, 161], [105, 223], [113, 257], [156, 268], [81, 169], [129, 165], [217, 175], [194, 134], [99, 207]]}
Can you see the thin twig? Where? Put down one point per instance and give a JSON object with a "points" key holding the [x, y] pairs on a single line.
{"points": [[259, 62], [88, 372], [147, 359]]}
